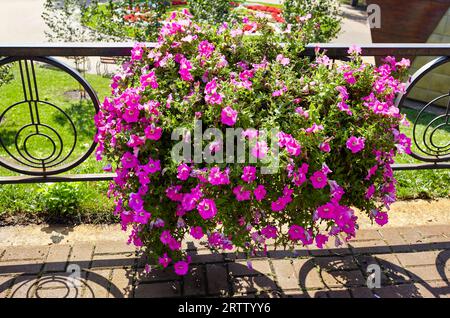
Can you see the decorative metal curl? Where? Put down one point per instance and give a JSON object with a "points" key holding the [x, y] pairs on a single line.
{"points": [[430, 151], [57, 161]]}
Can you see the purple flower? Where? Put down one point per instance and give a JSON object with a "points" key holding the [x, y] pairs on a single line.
{"points": [[260, 192], [196, 232], [355, 144], [181, 268], [319, 180], [249, 174], [207, 209], [228, 116]]}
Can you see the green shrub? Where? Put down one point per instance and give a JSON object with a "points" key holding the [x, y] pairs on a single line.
{"points": [[324, 20], [61, 198], [216, 11]]}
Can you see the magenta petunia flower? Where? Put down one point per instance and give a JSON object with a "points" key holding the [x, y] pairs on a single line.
{"points": [[152, 132], [131, 114], [129, 160], [228, 116], [181, 268], [207, 209], [242, 194], [260, 192], [183, 172], [321, 240], [355, 144], [269, 232], [319, 180], [196, 232], [249, 174], [135, 202], [164, 260]]}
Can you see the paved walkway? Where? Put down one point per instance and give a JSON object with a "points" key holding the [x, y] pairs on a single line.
{"points": [[413, 263]]}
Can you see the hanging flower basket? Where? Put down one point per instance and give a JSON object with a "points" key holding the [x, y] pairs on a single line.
{"points": [[234, 139]]}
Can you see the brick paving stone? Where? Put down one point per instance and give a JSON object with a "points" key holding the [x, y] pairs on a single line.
{"points": [[217, 279], [121, 283], [310, 278], [397, 291], [5, 283], [258, 267], [332, 280], [424, 292], [114, 260], [440, 289], [293, 293], [2, 251], [318, 293], [158, 290], [336, 263], [392, 269], [369, 247], [425, 273], [285, 274], [338, 293], [280, 253], [114, 247], [270, 294], [98, 283], [23, 287], [418, 258], [367, 235], [21, 267], [57, 258], [253, 284], [194, 283], [434, 230], [13, 253], [410, 235], [205, 256], [156, 275], [393, 238], [57, 293], [81, 254], [361, 292]]}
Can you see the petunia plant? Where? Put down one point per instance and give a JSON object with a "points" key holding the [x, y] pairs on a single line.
{"points": [[225, 134]]}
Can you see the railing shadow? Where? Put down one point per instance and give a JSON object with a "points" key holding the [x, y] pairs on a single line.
{"points": [[84, 279]]}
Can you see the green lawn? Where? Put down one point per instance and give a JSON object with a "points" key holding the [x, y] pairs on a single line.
{"points": [[63, 200], [87, 201]]}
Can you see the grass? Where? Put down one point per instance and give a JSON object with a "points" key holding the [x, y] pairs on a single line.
{"points": [[63, 201], [87, 201]]}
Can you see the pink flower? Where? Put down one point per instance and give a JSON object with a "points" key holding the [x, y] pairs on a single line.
{"points": [[207, 209], [381, 218], [249, 174], [217, 177], [325, 147], [149, 80], [152, 132], [129, 160], [131, 114], [296, 232], [282, 60], [269, 232], [354, 50], [183, 172], [137, 52], [321, 240], [181, 268], [165, 260], [136, 203], [153, 166], [370, 192], [205, 49], [260, 192], [241, 194], [326, 211], [165, 237], [196, 232], [314, 128], [355, 144], [319, 180], [259, 150], [228, 116]]}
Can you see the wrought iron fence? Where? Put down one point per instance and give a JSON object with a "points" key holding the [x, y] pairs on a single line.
{"points": [[65, 153]]}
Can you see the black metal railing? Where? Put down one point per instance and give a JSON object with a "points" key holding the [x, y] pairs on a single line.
{"points": [[65, 153]]}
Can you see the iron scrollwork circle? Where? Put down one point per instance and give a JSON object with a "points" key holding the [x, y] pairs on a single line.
{"points": [[58, 159], [430, 151]]}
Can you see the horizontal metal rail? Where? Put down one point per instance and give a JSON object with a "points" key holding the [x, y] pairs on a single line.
{"points": [[123, 49], [37, 170]]}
